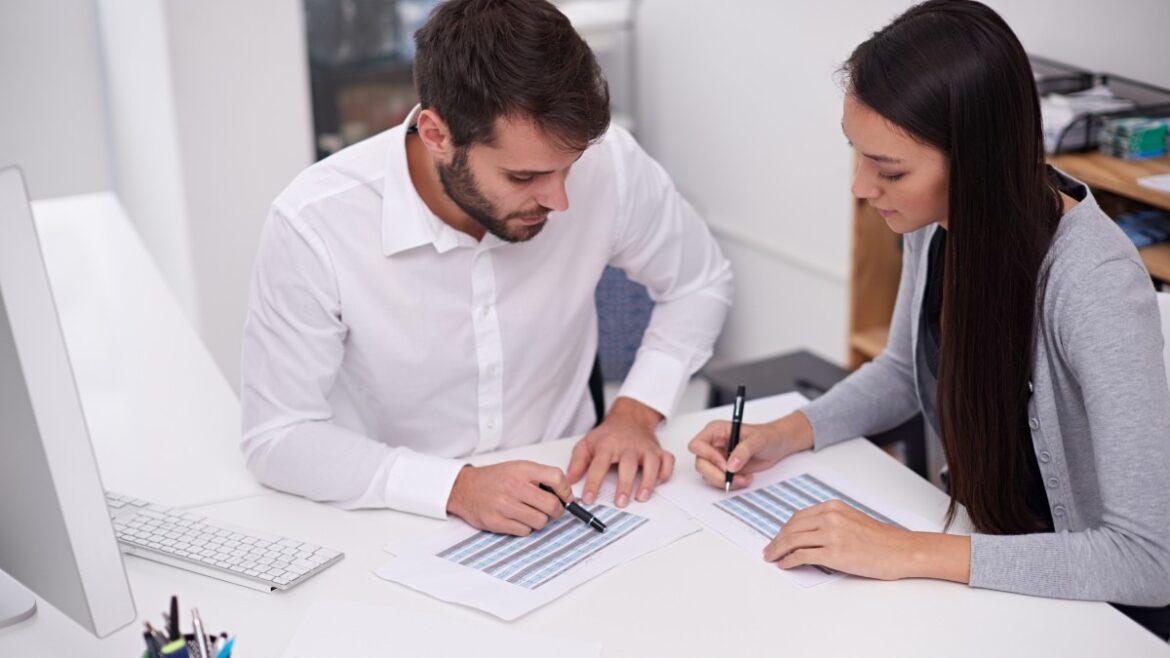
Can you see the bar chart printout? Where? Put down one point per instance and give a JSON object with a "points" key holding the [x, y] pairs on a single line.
{"points": [[768, 508], [536, 559]]}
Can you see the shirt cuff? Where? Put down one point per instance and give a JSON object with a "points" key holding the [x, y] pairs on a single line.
{"points": [[421, 484], [656, 380]]}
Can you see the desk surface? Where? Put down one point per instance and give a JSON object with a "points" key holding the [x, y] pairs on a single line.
{"points": [[697, 597]]}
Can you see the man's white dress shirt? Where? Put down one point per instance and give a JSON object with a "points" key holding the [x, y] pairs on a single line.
{"points": [[382, 347]]}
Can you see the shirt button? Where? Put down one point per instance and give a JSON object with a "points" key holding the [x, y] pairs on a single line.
{"points": [[1045, 456], [1053, 482], [485, 310], [1058, 510], [1034, 424], [490, 424], [494, 369]]}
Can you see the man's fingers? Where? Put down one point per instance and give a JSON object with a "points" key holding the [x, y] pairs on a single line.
{"points": [[527, 514], [667, 469], [627, 469], [554, 479], [549, 504], [650, 465], [597, 470], [510, 527], [579, 462]]}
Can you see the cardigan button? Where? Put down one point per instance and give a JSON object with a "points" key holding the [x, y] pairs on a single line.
{"points": [[1058, 510], [1053, 482], [1034, 423], [1045, 456]]}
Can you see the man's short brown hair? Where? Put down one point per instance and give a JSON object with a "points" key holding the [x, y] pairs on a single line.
{"points": [[479, 60]]}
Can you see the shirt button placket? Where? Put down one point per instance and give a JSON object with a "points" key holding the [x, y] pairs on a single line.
{"points": [[489, 351]]}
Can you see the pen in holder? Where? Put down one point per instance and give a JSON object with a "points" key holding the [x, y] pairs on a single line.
{"points": [[172, 642]]}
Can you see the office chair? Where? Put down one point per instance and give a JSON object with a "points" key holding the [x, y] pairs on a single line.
{"points": [[623, 311]]}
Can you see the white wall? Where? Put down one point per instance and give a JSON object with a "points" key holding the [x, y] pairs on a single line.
{"points": [[210, 120], [242, 93], [739, 102], [52, 118], [144, 138], [1127, 37]]}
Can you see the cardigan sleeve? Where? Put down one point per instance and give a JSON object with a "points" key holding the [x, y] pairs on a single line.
{"points": [[881, 394]]}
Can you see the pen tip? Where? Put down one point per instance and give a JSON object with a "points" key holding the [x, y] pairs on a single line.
{"points": [[727, 487]]}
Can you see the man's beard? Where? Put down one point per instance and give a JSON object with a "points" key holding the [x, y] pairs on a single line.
{"points": [[460, 186]]}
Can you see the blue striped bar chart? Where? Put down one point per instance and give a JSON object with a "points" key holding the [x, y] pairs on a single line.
{"points": [[767, 509], [538, 558]]}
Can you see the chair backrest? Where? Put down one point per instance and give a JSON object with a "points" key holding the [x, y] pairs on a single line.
{"points": [[1164, 305], [623, 311]]}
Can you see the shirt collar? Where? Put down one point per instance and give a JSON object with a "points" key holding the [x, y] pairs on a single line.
{"points": [[407, 222]]}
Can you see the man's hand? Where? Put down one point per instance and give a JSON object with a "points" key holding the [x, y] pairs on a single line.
{"points": [[506, 497], [626, 438]]}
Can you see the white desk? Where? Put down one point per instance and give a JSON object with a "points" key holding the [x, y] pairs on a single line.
{"points": [[701, 596]]}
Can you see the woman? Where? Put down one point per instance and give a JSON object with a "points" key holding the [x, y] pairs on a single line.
{"points": [[1026, 331]]}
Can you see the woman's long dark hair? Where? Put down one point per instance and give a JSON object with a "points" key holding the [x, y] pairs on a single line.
{"points": [[953, 75]]}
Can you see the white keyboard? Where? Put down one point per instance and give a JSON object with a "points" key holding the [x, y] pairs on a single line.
{"points": [[196, 543]]}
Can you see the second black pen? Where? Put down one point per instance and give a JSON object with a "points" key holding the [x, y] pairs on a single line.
{"points": [[578, 511]]}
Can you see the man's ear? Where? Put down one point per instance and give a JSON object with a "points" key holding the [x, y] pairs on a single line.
{"points": [[435, 135]]}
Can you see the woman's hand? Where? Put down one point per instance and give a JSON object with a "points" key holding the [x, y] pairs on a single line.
{"points": [[760, 446], [836, 536]]}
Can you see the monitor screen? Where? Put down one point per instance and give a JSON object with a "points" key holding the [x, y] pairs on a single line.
{"points": [[55, 532]]}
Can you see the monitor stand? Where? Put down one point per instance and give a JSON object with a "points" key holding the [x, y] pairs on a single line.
{"points": [[16, 603]]}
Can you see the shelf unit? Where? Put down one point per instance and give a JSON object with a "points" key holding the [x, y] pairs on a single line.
{"points": [[877, 256]]}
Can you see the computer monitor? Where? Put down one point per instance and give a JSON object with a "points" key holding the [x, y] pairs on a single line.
{"points": [[55, 532]]}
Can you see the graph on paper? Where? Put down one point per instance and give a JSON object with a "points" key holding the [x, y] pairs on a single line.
{"points": [[768, 508], [538, 558]]}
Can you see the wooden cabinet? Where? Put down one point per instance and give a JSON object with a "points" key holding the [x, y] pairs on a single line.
{"points": [[877, 256]]}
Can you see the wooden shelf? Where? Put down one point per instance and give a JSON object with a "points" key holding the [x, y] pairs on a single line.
{"points": [[870, 343], [1120, 177], [1116, 175], [877, 259], [1157, 260]]}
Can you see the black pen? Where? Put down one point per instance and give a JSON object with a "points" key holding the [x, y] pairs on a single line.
{"points": [[736, 421], [173, 620], [578, 511]]}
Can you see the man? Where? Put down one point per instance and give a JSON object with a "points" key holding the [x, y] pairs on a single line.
{"points": [[427, 294]]}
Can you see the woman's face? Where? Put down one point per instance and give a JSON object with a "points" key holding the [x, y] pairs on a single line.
{"points": [[903, 179]]}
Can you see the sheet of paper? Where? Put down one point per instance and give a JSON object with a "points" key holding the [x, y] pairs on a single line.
{"points": [[344, 628], [511, 576], [751, 517], [1159, 182]]}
